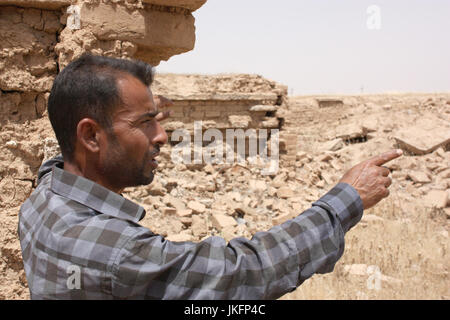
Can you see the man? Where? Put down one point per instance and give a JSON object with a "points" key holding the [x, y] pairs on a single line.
{"points": [[81, 239]]}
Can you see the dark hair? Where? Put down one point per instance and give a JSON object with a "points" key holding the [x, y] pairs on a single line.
{"points": [[87, 88]]}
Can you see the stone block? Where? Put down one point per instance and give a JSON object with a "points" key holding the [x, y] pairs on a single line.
{"points": [[212, 113], [186, 221], [263, 108], [333, 145], [239, 121], [350, 131], [329, 102], [419, 141], [166, 34], [169, 211], [174, 202], [196, 206], [270, 122], [258, 185], [184, 213], [419, 177], [220, 221], [285, 192], [279, 180], [113, 22], [436, 198], [199, 227]]}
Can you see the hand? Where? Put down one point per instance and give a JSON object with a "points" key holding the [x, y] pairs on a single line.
{"points": [[371, 179]]}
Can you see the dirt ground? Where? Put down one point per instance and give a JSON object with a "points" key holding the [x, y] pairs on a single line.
{"points": [[400, 249]]}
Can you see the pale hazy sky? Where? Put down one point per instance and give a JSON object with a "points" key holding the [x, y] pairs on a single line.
{"points": [[324, 46]]}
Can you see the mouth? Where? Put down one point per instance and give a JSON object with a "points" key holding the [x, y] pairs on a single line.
{"points": [[153, 161]]}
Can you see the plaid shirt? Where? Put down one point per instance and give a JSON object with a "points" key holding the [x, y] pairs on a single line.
{"points": [[79, 240]]}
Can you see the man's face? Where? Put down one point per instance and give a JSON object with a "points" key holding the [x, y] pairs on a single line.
{"points": [[134, 139]]}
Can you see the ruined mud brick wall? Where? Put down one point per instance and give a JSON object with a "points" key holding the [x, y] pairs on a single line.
{"points": [[224, 101]]}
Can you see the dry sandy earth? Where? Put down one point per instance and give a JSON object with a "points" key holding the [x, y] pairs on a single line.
{"points": [[400, 250]]}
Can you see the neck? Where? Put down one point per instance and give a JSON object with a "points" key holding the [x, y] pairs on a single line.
{"points": [[73, 168], [84, 171]]}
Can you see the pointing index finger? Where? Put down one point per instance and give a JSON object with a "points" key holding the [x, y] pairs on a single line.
{"points": [[385, 157]]}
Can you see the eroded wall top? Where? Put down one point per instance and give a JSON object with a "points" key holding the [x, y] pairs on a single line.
{"points": [[218, 87]]}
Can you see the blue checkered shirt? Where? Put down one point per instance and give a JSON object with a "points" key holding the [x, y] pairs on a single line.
{"points": [[80, 240]]}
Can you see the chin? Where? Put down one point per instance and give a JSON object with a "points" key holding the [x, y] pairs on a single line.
{"points": [[147, 180]]}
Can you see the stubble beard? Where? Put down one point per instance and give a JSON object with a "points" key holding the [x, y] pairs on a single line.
{"points": [[125, 172]]}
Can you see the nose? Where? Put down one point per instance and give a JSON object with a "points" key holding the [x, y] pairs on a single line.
{"points": [[160, 137]]}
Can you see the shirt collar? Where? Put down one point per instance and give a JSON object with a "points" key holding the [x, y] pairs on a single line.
{"points": [[94, 196]]}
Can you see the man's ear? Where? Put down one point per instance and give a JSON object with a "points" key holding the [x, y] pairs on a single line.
{"points": [[88, 134]]}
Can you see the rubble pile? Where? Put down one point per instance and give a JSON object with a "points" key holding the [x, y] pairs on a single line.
{"points": [[257, 202]]}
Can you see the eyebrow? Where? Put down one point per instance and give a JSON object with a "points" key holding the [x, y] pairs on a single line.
{"points": [[151, 114]]}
